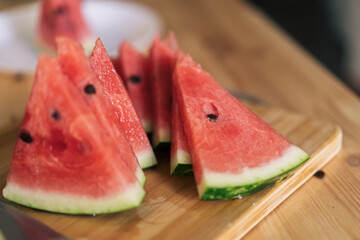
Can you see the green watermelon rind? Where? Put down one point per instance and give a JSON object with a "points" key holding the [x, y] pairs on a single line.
{"points": [[235, 191], [182, 170], [74, 204], [146, 159], [180, 164]]}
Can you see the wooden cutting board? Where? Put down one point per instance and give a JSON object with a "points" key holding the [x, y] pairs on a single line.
{"points": [[171, 209]]}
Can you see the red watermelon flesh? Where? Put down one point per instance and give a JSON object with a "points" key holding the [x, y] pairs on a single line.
{"points": [[62, 18], [76, 66], [134, 69], [180, 162], [63, 160], [233, 151], [115, 89], [162, 62]]}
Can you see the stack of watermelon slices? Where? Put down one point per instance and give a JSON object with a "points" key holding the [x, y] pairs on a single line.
{"points": [[81, 145], [233, 152], [230, 150], [149, 82]]}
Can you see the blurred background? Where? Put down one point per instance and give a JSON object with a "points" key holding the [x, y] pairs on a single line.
{"points": [[327, 29]]}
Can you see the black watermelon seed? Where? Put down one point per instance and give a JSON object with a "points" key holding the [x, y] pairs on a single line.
{"points": [[61, 10], [26, 137], [212, 117], [90, 89], [134, 79], [319, 174], [55, 115]]}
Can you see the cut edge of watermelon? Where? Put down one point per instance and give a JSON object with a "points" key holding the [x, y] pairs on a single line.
{"points": [[180, 163], [146, 159], [221, 186], [140, 176], [74, 204], [88, 44], [162, 138]]}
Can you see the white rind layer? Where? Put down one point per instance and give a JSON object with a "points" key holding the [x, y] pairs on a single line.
{"points": [[75, 204], [146, 159], [88, 44], [140, 176], [291, 158], [180, 157]]}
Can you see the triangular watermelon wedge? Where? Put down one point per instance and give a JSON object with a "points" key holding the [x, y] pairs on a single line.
{"points": [[162, 61], [234, 152], [62, 18], [180, 159], [63, 160], [76, 66], [134, 71], [115, 90]]}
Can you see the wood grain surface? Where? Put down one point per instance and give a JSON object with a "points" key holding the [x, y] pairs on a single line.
{"points": [[172, 210], [244, 50]]}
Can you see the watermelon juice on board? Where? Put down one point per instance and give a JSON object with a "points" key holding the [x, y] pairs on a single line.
{"points": [[234, 152]]}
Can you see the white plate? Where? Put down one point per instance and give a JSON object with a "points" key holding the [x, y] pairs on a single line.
{"points": [[113, 21]]}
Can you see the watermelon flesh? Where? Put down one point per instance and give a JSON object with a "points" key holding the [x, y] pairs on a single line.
{"points": [[62, 18], [134, 69], [180, 161], [162, 62], [76, 66], [63, 161], [234, 152], [115, 90]]}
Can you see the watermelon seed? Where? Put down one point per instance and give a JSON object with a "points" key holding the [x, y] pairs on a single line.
{"points": [[61, 10], [134, 79], [55, 115], [212, 117], [319, 174], [26, 137], [211, 111], [90, 89]]}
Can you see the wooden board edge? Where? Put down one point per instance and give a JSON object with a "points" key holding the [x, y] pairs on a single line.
{"points": [[279, 193]]}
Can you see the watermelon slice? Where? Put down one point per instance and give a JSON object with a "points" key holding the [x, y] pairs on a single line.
{"points": [[134, 69], [180, 162], [115, 90], [234, 152], [62, 17], [162, 62], [76, 66], [63, 161]]}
